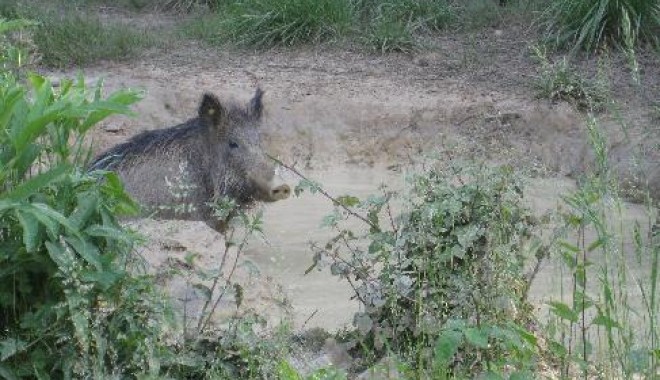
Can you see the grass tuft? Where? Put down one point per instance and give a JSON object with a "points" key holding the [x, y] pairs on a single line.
{"points": [[67, 36], [265, 23], [588, 24]]}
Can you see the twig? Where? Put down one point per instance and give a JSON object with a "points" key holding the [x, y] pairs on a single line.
{"points": [[325, 194], [200, 324]]}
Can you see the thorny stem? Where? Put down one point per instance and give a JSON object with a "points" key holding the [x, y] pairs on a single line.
{"points": [[325, 194]]}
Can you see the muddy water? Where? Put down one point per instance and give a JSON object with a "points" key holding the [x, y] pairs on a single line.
{"points": [[319, 299]]}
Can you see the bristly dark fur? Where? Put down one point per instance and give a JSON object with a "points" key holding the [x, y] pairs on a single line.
{"points": [[145, 142], [162, 138]]}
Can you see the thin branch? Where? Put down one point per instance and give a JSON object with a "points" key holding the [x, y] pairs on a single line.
{"points": [[325, 194]]}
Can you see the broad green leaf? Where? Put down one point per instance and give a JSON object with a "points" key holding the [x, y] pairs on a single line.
{"points": [[10, 347], [30, 226], [47, 215], [569, 247], [446, 347], [87, 205], [599, 242], [59, 256], [88, 251], [9, 101]]}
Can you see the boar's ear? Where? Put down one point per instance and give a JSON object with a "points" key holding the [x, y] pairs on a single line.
{"points": [[256, 107], [211, 111]]}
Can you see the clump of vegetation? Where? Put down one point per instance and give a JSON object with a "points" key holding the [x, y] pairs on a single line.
{"points": [[393, 26], [588, 24], [443, 286], [74, 300], [68, 307], [67, 36], [265, 23], [559, 81], [604, 321]]}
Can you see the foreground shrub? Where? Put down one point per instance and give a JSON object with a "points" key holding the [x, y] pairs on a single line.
{"points": [[442, 286]]}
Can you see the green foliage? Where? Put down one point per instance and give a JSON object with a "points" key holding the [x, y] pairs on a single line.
{"points": [[447, 277], [68, 36], [604, 320], [385, 36], [559, 81], [265, 23], [188, 5], [68, 307], [588, 24], [392, 26]]}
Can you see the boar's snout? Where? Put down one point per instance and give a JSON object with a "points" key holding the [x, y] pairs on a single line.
{"points": [[279, 192]]}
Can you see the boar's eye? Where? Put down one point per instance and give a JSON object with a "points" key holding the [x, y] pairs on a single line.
{"points": [[233, 145]]}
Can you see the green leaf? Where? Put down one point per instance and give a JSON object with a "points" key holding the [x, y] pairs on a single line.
{"points": [[87, 205], [603, 320], [59, 256], [36, 183], [10, 347], [599, 242], [476, 337], [30, 226], [104, 278], [563, 311], [109, 232], [86, 249], [50, 218], [348, 200], [286, 371], [446, 347], [9, 105]]}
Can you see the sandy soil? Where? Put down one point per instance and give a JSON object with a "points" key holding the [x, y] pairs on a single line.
{"points": [[354, 121]]}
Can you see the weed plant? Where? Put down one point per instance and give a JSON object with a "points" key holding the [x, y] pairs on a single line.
{"points": [[443, 286], [559, 81], [605, 322]]}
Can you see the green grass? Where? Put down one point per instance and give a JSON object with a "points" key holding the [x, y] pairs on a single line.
{"points": [[559, 81], [588, 24], [265, 23], [393, 26], [68, 36]]}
